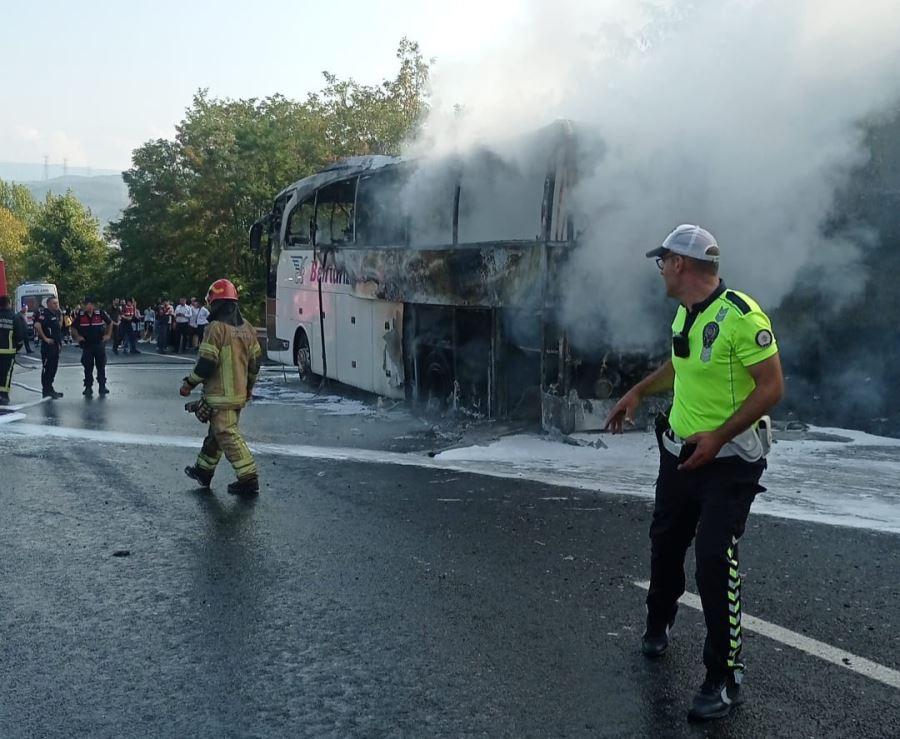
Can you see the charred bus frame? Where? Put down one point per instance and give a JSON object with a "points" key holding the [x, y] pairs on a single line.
{"points": [[474, 325]]}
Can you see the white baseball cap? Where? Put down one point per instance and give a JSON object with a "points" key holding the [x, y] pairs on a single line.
{"points": [[689, 240]]}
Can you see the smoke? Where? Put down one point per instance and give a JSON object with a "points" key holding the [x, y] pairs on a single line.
{"points": [[743, 116]]}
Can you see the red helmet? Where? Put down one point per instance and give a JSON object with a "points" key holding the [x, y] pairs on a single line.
{"points": [[221, 290]]}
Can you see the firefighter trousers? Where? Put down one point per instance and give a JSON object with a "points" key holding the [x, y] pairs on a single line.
{"points": [[94, 355], [224, 437], [49, 365], [711, 503], [7, 362]]}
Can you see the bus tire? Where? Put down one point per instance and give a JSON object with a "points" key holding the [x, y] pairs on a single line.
{"points": [[303, 356]]}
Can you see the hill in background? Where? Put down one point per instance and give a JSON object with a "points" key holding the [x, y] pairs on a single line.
{"points": [[105, 195], [101, 190]]}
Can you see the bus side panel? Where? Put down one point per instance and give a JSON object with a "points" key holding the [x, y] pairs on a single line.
{"points": [[387, 349], [354, 324]]}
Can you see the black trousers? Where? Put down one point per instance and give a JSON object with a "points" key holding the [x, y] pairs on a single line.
{"points": [[49, 365], [182, 337], [713, 503], [93, 355], [7, 362]]}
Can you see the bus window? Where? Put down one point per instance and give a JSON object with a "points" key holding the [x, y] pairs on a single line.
{"points": [[302, 216], [334, 213], [380, 215]]}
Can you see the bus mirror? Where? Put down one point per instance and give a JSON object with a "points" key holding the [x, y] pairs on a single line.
{"points": [[256, 237]]}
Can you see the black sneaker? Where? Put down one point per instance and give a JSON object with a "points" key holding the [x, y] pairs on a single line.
{"points": [[716, 697], [88, 391], [655, 640], [104, 390], [247, 487], [201, 476], [52, 394]]}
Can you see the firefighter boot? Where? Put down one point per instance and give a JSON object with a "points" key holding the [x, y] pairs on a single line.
{"points": [[716, 697], [249, 486], [103, 389], [655, 640], [201, 476]]}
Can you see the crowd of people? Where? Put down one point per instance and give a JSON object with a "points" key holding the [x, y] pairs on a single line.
{"points": [[173, 327]]}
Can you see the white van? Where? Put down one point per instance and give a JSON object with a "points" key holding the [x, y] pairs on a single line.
{"points": [[33, 296]]}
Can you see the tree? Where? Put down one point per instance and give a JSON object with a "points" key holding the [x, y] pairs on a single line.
{"points": [[18, 200], [13, 234], [193, 200], [64, 247]]}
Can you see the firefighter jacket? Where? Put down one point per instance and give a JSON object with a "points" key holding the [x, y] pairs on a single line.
{"points": [[11, 333], [227, 364]]}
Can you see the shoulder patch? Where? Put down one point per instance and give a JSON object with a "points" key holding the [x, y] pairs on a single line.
{"points": [[738, 302], [764, 338]]}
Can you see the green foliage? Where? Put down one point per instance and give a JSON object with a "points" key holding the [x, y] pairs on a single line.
{"points": [[194, 199], [13, 233], [18, 200], [65, 247]]}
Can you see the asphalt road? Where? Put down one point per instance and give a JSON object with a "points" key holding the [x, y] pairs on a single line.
{"points": [[358, 599]]}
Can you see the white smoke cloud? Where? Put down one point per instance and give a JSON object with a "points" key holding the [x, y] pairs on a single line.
{"points": [[741, 115]]}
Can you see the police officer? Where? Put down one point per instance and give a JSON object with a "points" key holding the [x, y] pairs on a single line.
{"points": [[48, 329], [92, 328], [726, 374], [11, 338], [227, 366]]}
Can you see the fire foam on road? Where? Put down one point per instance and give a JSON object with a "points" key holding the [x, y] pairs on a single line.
{"points": [[848, 483]]}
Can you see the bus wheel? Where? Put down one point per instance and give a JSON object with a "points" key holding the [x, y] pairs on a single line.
{"points": [[437, 381], [303, 357]]}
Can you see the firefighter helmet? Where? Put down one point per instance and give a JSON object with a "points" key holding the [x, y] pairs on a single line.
{"points": [[221, 290]]}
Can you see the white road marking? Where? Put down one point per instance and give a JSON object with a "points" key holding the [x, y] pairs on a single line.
{"points": [[819, 649], [302, 451]]}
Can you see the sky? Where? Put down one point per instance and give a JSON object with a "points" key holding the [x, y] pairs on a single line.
{"points": [[92, 81]]}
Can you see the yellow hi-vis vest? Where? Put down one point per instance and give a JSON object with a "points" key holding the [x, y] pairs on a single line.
{"points": [[727, 334]]}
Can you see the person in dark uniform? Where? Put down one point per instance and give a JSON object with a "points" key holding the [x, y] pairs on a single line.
{"points": [[726, 374], [11, 338], [48, 329], [23, 323], [92, 328]]}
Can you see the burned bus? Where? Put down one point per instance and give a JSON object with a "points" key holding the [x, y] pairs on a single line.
{"points": [[437, 281]]}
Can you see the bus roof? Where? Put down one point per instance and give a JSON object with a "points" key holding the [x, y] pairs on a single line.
{"points": [[338, 171]]}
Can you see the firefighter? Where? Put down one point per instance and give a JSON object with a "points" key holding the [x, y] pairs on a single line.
{"points": [[92, 328], [227, 366], [726, 374], [11, 338], [48, 329]]}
